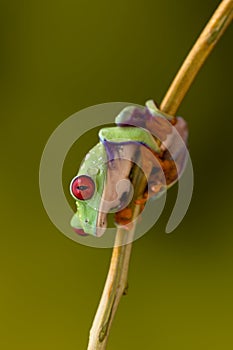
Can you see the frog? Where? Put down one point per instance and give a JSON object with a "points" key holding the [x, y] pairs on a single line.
{"points": [[143, 137]]}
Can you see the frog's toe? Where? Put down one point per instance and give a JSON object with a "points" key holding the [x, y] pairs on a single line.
{"points": [[123, 216]]}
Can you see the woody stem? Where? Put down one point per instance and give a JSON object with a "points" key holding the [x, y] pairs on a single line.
{"points": [[116, 282]]}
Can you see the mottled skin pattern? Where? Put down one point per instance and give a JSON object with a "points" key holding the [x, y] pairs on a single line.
{"points": [[109, 164]]}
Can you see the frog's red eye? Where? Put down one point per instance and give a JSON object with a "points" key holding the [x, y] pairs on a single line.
{"points": [[82, 187]]}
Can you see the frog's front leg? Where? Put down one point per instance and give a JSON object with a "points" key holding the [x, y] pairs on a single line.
{"points": [[125, 147]]}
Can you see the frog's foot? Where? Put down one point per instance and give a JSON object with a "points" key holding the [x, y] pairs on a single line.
{"points": [[123, 217], [156, 189], [170, 171], [141, 201]]}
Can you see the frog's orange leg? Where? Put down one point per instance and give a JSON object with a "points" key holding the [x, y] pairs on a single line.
{"points": [[124, 218]]}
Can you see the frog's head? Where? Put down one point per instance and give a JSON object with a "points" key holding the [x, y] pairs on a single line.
{"points": [[87, 189], [101, 186]]}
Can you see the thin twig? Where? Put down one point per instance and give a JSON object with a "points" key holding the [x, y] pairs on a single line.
{"points": [[116, 282], [197, 56]]}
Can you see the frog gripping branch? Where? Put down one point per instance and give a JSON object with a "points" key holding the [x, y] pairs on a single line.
{"points": [[171, 152], [145, 138]]}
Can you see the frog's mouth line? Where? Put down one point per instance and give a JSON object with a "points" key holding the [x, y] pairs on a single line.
{"points": [[80, 231]]}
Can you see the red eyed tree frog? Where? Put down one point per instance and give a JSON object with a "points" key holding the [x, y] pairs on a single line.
{"points": [[145, 136]]}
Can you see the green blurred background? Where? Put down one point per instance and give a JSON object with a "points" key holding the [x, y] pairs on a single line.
{"points": [[58, 57]]}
